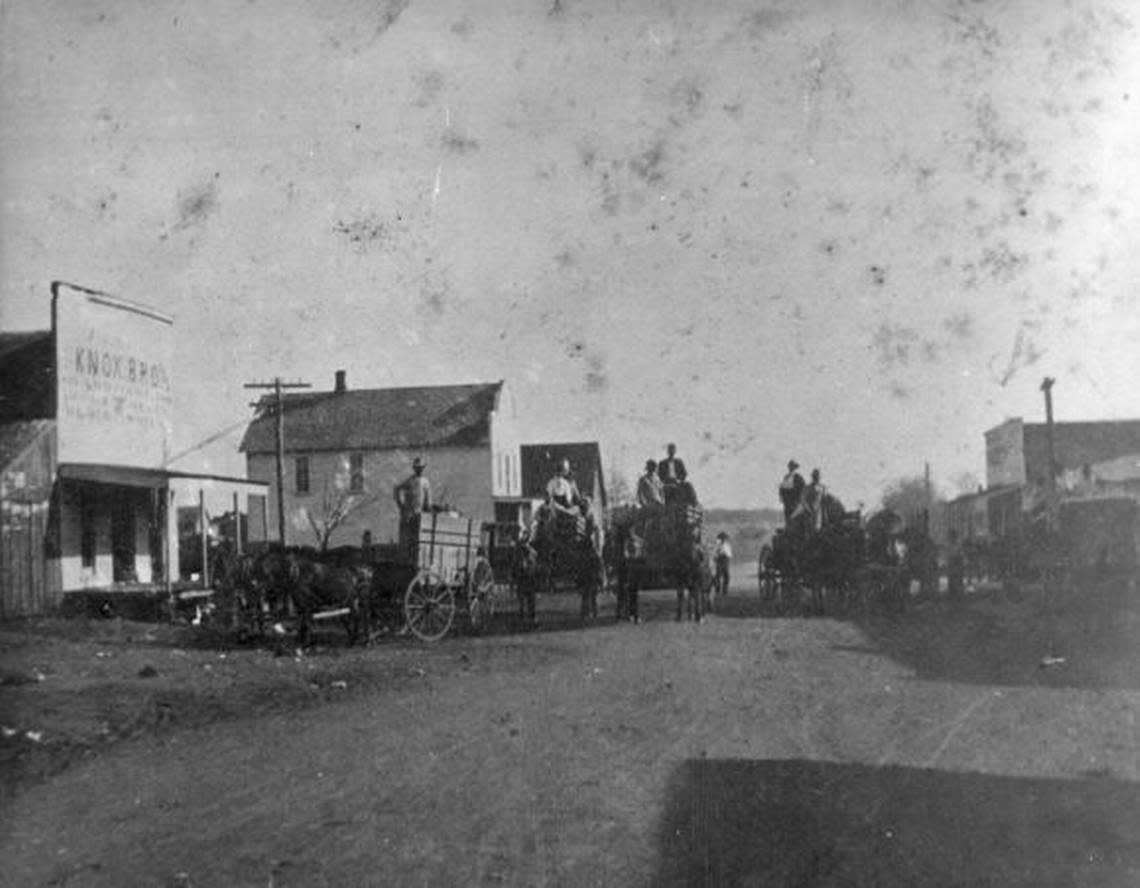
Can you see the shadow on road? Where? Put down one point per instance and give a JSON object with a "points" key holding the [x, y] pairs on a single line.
{"points": [[796, 822], [1086, 636]]}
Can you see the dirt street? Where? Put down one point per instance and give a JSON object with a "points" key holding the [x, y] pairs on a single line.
{"points": [[995, 745]]}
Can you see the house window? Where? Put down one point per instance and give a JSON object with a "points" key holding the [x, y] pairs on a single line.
{"points": [[302, 474], [87, 527], [356, 472]]}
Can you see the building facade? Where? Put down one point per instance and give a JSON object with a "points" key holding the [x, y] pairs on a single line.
{"points": [[1090, 460], [87, 499], [345, 450]]}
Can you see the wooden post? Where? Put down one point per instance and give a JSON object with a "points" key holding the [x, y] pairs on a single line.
{"points": [[1047, 388], [237, 523], [279, 434], [205, 538]]}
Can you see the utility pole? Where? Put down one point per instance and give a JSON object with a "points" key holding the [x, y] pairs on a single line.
{"points": [[279, 411], [1047, 388]]}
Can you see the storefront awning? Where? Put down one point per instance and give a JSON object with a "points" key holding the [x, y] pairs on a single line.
{"points": [[123, 476], [135, 476]]}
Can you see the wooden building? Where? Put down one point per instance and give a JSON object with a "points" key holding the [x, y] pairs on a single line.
{"points": [[87, 499]]}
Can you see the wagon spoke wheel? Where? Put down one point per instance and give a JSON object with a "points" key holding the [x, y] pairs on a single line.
{"points": [[429, 606], [481, 601]]}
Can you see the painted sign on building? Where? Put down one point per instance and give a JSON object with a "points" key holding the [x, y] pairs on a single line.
{"points": [[1005, 454], [113, 360]]}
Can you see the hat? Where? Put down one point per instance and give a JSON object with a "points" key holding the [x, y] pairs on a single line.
{"points": [[792, 464], [418, 463], [722, 536]]}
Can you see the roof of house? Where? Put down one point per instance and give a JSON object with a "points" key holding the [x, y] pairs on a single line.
{"points": [[27, 375], [16, 437], [540, 461], [378, 419]]}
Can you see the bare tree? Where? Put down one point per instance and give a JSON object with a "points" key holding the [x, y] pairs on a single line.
{"points": [[338, 501]]}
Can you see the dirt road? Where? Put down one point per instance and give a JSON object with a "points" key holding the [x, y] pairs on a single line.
{"points": [[931, 749]]}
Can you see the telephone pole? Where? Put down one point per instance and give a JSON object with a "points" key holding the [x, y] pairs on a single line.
{"points": [[1047, 388], [278, 387]]}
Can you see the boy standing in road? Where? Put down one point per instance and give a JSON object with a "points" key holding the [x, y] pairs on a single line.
{"points": [[723, 561]]}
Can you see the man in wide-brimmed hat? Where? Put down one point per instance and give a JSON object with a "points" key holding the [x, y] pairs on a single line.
{"points": [[791, 491], [413, 498]]}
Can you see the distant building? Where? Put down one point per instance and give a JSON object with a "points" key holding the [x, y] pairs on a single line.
{"points": [[1017, 452], [1090, 459], [541, 461], [87, 501], [350, 447]]}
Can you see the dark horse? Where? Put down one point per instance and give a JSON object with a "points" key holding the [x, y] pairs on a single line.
{"points": [[277, 583]]}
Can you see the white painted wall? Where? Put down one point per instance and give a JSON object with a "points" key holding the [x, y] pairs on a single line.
{"points": [[460, 477]]}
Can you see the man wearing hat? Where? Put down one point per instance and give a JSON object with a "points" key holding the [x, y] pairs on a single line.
{"points": [[791, 491], [723, 560], [650, 490], [413, 498]]}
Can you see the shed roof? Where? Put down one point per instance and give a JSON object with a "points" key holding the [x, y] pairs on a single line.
{"points": [[378, 419], [540, 461], [16, 437], [27, 375]]}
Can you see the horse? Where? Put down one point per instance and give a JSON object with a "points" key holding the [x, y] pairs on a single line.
{"points": [[319, 587], [238, 592], [695, 580]]}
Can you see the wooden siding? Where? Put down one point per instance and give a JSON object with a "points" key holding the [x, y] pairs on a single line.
{"points": [[29, 521]]}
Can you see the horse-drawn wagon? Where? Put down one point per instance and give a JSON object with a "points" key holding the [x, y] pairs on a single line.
{"points": [[440, 573], [837, 564], [443, 573], [659, 547]]}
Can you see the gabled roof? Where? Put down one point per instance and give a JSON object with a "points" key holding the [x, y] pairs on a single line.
{"points": [[378, 419], [540, 461], [27, 375]]}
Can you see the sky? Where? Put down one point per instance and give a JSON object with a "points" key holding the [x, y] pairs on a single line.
{"points": [[854, 233]]}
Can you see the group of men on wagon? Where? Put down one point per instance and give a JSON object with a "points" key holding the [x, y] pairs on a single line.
{"points": [[801, 499]]}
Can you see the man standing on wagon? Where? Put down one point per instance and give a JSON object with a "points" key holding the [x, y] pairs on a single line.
{"points": [[413, 498], [791, 491], [671, 471]]}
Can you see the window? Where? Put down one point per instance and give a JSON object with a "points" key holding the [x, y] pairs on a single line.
{"points": [[302, 474], [356, 472]]}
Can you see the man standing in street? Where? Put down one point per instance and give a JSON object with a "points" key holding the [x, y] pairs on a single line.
{"points": [[723, 561], [413, 498]]}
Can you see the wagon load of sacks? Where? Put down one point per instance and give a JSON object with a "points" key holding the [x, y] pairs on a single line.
{"points": [[657, 532]]}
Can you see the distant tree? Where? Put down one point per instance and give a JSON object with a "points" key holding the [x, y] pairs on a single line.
{"points": [[910, 498], [618, 489]]}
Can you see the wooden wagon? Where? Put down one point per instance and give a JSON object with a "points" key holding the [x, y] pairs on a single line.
{"points": [[439, 575]]}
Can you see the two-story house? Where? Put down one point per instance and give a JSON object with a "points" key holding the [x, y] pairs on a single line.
{"points": [[346, 450]]}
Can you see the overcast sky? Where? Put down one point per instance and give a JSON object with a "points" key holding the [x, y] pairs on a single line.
{"points": [[857, 233]]}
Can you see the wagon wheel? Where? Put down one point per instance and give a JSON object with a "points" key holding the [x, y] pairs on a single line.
{"points": [[429, 606], [481, 599]]}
